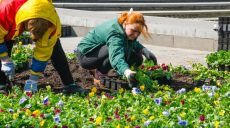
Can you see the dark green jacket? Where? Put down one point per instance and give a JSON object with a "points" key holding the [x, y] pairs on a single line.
{"points": [[112, 34]]}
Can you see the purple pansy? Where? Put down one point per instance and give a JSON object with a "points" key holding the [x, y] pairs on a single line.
{"points": [[22, 100]]}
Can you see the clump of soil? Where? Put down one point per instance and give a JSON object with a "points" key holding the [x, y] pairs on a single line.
{"points": [[84, 78]]}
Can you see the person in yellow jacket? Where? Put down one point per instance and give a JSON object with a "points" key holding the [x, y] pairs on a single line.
{"points": [[39, 17]]}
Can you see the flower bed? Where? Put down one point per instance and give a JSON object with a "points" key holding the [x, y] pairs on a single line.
{"points": [[150, 104]]}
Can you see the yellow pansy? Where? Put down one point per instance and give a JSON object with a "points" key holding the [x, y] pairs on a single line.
{"points": [[98, 120], [133, 118], [146, 111], [166, 88], [217, 102], [118, 126], [182, 114], [17, 51], [29, 45], [142, 87], [20, 43], [216, 95], [216, 124], [94, 89], [222, 112], [197, 90], [103, 93], [218, 83], [28, 112], [151, 118], [121, 90], [42, 122], [36, 112], [127, 127], [15, 116], [91, 94]]}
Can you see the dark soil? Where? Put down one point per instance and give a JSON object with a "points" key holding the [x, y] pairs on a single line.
{"points": [[84, 78]]}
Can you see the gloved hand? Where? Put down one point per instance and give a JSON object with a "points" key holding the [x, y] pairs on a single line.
{"points": [[149, 55], [130, 75], [31, 85], [8, 67]]}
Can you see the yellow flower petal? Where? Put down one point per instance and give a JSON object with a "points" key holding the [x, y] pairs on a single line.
{"points": [[20, 43], [15, 116], [142, 87], [182, 114], [197, 90], [42, 122], [121, 90], [28, 112], [133, 118], [91, 94], [216, 124], [146, 111], [98, 120], [222, 112], [151, 117], [94, 89], [36, 112], [118, 126]]}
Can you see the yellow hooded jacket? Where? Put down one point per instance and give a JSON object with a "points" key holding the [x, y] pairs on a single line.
{"points": [[44, 46]]}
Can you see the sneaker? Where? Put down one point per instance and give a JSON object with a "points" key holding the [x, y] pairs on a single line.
{"points": [[73, 88]]}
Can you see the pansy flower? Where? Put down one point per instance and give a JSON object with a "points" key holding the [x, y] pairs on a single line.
{"points": [[10, 110], [158, 101], [98, 120], [57, 119], [206, 88], [142, 87], [147, 123], [165, 113], [29, 94], [202, 118], [183, 123], [46, 100], [211, 94], [28, 106], [60, 103], [182, 90], [136, 91], [22, 100], [57, 111]]}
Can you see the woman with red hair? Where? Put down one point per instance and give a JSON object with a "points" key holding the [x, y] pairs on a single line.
{"points": [[114, 45]]}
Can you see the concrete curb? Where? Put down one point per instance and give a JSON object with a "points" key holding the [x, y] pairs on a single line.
{"points": [[171, 32]]}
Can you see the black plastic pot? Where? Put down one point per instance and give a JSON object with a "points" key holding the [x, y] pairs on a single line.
{"points": [[209, 66], [65, 31], [27, 41], [199, 82], [163, 80], [102, 80], [221, 67], [22, 67], [227, 68]]}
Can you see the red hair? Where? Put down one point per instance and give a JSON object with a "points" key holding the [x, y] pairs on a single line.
{"points": [[132, 18]]}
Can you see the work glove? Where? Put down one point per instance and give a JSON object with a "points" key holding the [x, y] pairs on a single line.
{"points": [[8, 67], [31, 85], [130, 75], [149, 55]]}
